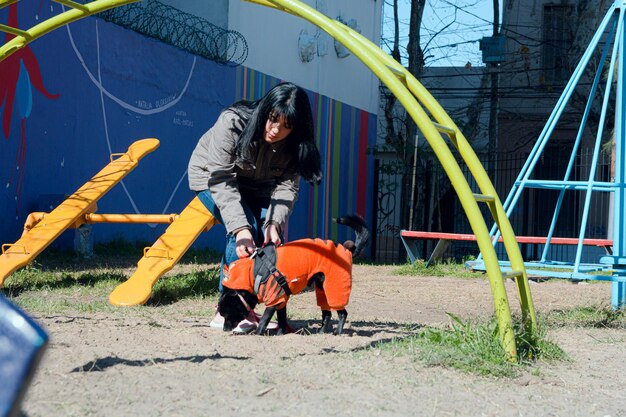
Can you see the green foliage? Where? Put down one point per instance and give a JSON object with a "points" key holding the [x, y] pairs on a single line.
{"points": [[536, 347], [468, 258], [474, 347], [197, 284], [32, 278], [449, 268], [201, 256], [592, 316], [84, 285], [59, 256], [39, 303], [468, 346]]}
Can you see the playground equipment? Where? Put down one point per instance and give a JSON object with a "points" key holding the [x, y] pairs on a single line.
{"points": [[445, 239], [77, 11], [610, 37], [41, 229], [70, 213], [418, 103], [163, 254]]}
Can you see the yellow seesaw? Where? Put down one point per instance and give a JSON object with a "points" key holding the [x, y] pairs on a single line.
{"points": [[163, 254], [71, 211], [41, 229]]}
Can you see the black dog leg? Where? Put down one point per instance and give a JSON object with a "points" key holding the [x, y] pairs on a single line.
{"points": [[265, 320], [283, 325], [342, 316], [327, 324]]}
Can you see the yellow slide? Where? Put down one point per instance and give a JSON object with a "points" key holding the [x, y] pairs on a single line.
{"points": [[163, 254], [32, 243]]}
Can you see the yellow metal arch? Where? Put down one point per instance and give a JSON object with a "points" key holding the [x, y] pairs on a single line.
{"points": [[77, 11], [417, 101]]}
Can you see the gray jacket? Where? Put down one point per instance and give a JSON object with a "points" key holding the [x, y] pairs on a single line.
{"points": [[268, 173]]}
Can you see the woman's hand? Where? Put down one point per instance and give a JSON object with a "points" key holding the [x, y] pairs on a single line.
{"points": [[244, 243], [272, 235]]}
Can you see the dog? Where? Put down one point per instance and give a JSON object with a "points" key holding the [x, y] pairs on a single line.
{"points": [[272, 274]]}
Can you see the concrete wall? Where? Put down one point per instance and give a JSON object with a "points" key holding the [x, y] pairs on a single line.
{"points": [[273, 41], [525, 71], [215, 11]]}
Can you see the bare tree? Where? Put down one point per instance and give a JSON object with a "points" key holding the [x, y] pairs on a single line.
{"points": [[393, 129], [587, 17], [414, 48], [400, 132], [493, 105]]}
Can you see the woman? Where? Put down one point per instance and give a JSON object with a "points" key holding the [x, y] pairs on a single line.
{"points": [[246, 169]]}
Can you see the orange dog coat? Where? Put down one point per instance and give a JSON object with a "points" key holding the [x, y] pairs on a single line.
{"points": [[298, 261]]}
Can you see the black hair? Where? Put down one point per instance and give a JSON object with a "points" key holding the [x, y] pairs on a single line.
{"points": [[292, 102]]}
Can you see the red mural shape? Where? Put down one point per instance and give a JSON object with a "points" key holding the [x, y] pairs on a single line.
{"points": [[20, 72]]}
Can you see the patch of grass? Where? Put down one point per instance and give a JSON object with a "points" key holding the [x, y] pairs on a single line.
{"points": [[38, 303], [49, 292], [449, 268], [56, 255], [592, 316], [197, 284], [536, 348], [473, 347], [32, 278], [201, 256], [42, 290]]}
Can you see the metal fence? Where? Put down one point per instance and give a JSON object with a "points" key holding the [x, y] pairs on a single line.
{"points": [[422, 198]]}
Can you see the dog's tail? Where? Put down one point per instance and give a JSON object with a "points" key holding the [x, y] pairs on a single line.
{"points": [[359, 225]]}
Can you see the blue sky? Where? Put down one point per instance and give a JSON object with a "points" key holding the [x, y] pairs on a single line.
{"points": [[457, 44]]}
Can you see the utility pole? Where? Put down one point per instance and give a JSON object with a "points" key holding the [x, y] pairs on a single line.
{"points": [[416, 67], [493, 105]]}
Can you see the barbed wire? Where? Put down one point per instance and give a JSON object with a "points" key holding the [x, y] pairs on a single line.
{"points": [[182, 30]]}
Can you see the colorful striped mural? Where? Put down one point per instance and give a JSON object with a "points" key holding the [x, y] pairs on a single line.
{"points": [[343, 135]]}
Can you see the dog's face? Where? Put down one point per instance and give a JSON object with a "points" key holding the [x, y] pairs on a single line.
{"points": [[233, 309]]}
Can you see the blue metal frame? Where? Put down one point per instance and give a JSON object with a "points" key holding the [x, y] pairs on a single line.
{"points": [[611, 267], [618, 293]]}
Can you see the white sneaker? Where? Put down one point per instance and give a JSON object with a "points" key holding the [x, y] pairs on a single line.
{"points": [[217, 322], [247, 325], [272, 325], [250, 324]]}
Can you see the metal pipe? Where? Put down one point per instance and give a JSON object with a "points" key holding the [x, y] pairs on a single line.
{"points": [[130, 218]]}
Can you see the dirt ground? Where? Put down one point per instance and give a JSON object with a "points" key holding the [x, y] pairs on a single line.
{"points": [[167, 361]]}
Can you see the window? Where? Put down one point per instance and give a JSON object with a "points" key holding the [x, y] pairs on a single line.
{"points": [[557, 38]]}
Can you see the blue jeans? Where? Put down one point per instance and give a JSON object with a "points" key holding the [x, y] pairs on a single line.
{"points": [[255, 214]]}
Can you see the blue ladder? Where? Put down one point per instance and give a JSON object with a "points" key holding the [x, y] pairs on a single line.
{"points": [[611, 37]]}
